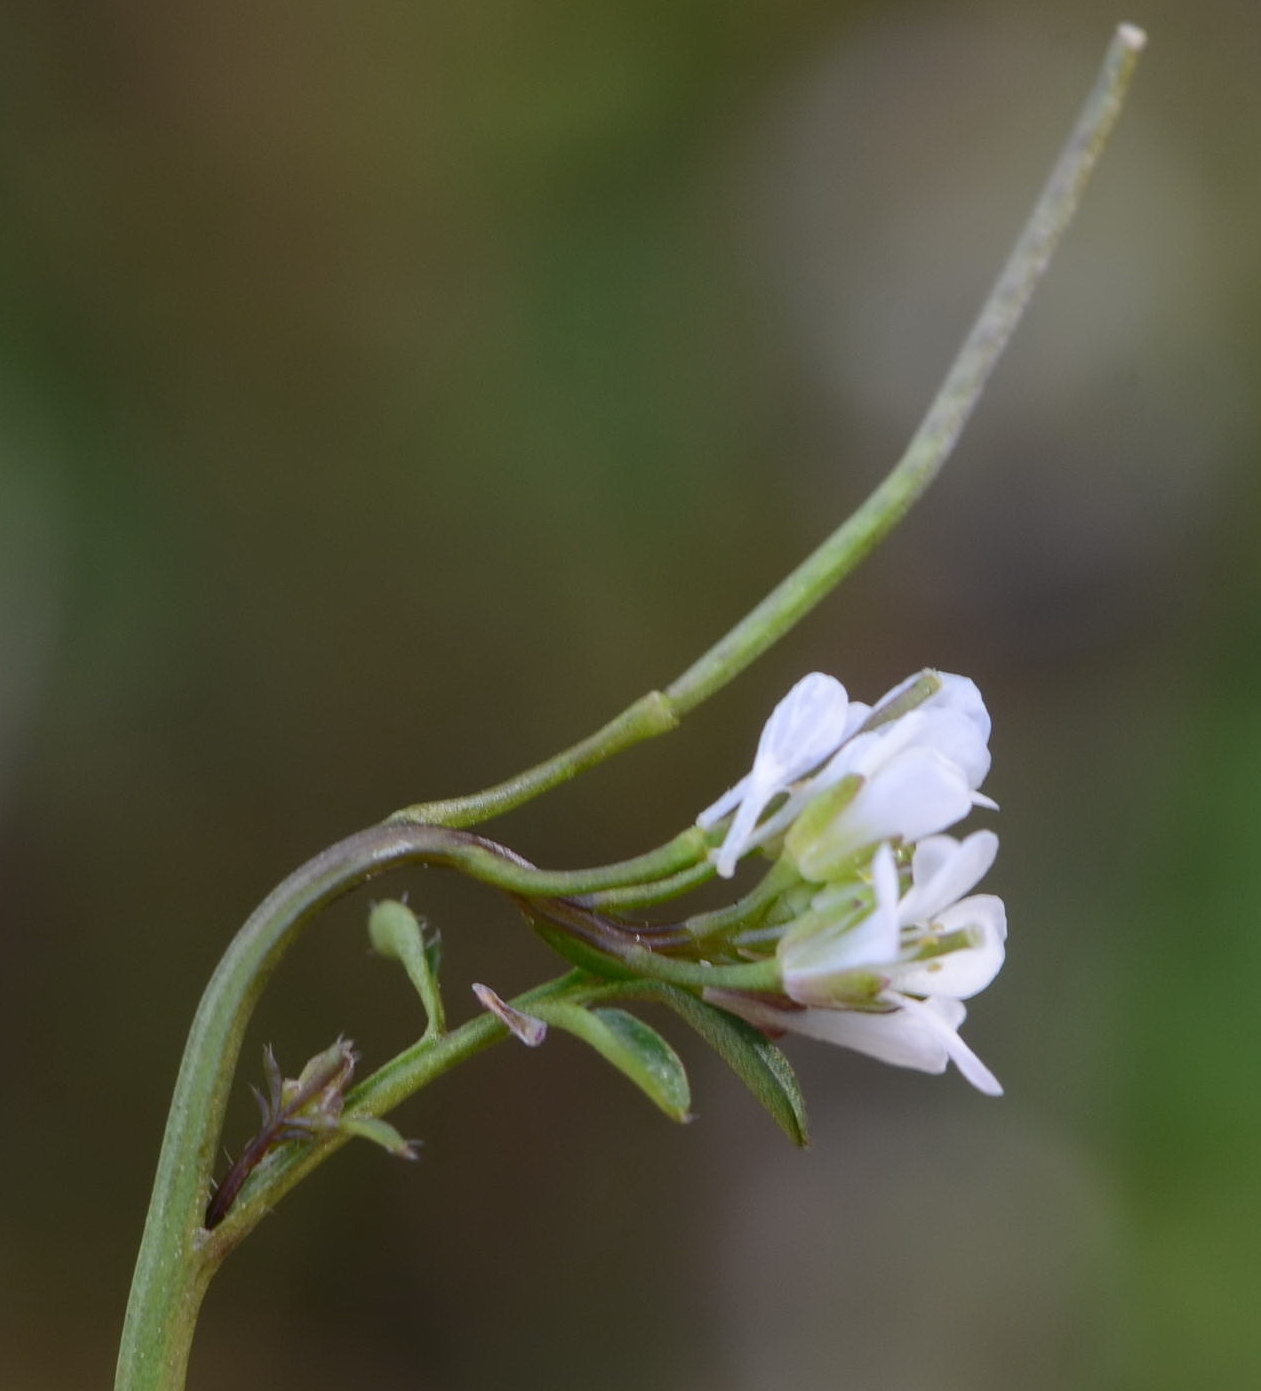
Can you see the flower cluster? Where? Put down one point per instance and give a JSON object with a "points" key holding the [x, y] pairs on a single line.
{"points": [[876, 933]]}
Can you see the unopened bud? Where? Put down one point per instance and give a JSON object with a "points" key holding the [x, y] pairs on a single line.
{"points": [[394, 930], [315, 1097], [399, 935]]}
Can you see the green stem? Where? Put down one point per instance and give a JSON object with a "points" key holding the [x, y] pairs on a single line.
{"points": [[747, 909], [645, 895], [651, 714], [931, 445], [494, 865], [757, 976]]}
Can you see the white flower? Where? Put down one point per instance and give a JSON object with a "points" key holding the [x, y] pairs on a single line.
{"points": [[804, 729], [950, 945], [888, 976], [900, 775]]}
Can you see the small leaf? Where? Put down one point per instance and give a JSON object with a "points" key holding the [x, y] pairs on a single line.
{"points": [[380, 1133], [275, 1078], [632, 1047], [748, 1052]]}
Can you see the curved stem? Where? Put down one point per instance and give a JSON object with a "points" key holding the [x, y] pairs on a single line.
{"points": [[502, 868], [646, 895], [931, 445], [648, 954], [743, 910], [650, 715]]}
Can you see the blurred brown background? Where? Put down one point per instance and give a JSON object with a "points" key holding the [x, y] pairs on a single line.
{"points": [[391, 393]]}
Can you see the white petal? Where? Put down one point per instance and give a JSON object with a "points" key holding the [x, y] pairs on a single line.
{"points": [[957, 723], [954, 1012], [855, 717], [958, 693], [936, 1020], [953, 722], [961, 694], [870, 752], [806, 725], [922, 1034], [726, 804], [948, 732], [865, 754], [751, 1008], [804, 729], [783, 816], [957, 738], [831, 773], [943, 870], [915, 795], [962, 973], [810, 960], [898, 1037]]}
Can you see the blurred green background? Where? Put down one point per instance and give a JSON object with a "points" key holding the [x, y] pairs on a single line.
{"points": [[389, 394]]}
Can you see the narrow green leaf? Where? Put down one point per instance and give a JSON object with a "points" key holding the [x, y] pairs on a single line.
{"points": [[747, 1051], [631, 1046], [380, 1133]]}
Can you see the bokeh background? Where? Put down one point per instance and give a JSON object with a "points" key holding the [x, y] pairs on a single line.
{"points": [[390, 393]]}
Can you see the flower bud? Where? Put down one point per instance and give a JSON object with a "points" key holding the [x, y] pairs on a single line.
{"points": [[398, 934], [314, 1098], [394, 930]]}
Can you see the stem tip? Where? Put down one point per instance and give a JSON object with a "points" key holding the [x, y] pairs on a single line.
{"points": [[1132, 37]]}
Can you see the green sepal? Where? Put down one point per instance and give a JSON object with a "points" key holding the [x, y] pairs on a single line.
{"points": [[380, 1133], [809, 843], [748, 1052], [631, 1046], [924, 687]]}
